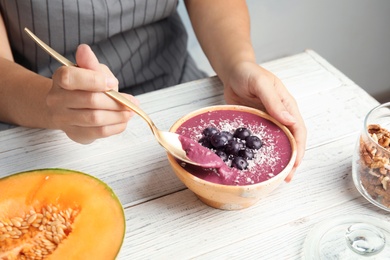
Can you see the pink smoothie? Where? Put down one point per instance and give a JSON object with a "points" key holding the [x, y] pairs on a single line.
{"points": [[199, 154], [269, 160]]}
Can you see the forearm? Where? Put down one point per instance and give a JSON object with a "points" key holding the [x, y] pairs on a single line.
{"points": [[22, 96], [223, 30], [22, 92]]}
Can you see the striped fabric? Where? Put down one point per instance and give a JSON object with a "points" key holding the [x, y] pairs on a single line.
{"points": [[142, 41]]}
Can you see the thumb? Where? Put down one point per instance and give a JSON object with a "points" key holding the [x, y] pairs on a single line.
{"points": [[85, 58], [277, 109]]}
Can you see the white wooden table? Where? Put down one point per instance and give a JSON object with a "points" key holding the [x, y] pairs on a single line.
{"points": [[167, 221]]}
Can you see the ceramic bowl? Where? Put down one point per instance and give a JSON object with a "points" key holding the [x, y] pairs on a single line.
{"points": [[231, 197]]}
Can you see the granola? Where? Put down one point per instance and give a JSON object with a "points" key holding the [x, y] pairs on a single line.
{"points": [[375, 163]]}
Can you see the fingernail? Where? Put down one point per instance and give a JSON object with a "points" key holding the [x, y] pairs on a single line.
{"points": [[111, 82], [286, 115]]}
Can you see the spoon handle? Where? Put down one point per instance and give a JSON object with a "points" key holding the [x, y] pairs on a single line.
{"points": [[48, 49], [126, 102], [111, 93]]}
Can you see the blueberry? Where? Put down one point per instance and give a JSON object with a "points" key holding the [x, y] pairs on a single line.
{"points": [[205, 141], [246, 154], [232, 147], [209, 131], [253, 142], [242, 133], [239, 163], [228, 134], [222, 155], [218, 140]]}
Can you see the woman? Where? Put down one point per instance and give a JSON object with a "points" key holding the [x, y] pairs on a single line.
{"points": [[136, 46]]}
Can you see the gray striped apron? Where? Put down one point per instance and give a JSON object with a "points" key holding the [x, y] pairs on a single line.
{"points": [[143, 42]]}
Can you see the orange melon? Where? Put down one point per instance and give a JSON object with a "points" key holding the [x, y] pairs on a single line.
{"points": [[59, 214]]}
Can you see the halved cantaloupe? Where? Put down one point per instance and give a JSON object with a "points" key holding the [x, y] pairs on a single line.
{"points": [[59, 214]]}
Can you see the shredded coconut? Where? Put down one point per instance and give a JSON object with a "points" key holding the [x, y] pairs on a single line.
{"points": [[266, 157]]}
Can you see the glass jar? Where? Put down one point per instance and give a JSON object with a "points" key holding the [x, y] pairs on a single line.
{"points": [[371, 159]]}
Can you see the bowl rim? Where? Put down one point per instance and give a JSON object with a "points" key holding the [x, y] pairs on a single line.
{"points": [[251, 110]]}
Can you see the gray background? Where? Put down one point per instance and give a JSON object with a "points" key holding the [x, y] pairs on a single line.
{"points": [[353, 35]]}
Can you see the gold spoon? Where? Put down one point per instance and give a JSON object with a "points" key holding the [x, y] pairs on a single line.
{"points": [[170, 141]]}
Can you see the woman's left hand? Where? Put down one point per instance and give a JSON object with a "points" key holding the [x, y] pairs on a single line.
{"points": [[251, 85]]}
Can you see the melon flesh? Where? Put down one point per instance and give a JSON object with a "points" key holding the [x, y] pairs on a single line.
{"points": [[59, 214]]}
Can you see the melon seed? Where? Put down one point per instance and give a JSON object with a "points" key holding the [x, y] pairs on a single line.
{"points": [[40, 232]]}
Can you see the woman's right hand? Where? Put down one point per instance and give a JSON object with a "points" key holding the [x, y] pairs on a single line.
{"points": [[78, 105]]}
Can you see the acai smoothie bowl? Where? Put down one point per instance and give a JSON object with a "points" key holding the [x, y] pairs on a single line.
{"points": [[257, 153]]}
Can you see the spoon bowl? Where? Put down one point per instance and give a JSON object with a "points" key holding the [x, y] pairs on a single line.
{"points": [[172, 142]]}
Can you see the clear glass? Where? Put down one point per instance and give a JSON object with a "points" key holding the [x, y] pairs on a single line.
{"points": [[370, 164], [348, 237]]}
